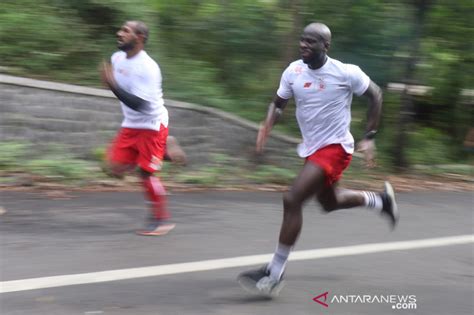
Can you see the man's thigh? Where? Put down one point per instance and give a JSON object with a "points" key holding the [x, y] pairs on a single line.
{"points": [[123, 149], [151, 148]]}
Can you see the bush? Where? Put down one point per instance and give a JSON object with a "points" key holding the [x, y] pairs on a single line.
{"points": [[428, 146]]}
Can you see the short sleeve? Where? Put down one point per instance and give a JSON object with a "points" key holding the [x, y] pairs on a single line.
{"points": [[148, 81], [284, 90], [115, 57], [358, 80]]}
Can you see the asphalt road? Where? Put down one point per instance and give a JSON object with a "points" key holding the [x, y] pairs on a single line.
{"points": [[94, 232]]}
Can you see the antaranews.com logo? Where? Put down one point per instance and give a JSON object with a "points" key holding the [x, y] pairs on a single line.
{"points": [[397, 302]]}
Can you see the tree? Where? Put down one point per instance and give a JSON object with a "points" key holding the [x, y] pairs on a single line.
{"points": [[406, 109]]}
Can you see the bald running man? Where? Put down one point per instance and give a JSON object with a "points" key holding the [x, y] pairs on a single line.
{"points": [[322, 88]]}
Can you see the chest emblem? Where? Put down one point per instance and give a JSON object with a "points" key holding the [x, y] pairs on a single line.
{"points": [[321, 84], [298, 70], [124, 72]]}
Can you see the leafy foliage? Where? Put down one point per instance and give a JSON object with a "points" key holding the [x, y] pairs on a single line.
{"points": [[230, 54]]}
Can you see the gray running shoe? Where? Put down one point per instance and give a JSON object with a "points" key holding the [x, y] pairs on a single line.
{"points": [[259, 282]]}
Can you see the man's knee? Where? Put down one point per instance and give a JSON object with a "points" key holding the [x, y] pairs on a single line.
{"points": [[327, 197], [174, 152], [144, 174], [290, 202], [329, 206]]}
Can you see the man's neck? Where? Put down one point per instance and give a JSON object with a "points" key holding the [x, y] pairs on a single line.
{"points": [[318, 63], [132, 53]]}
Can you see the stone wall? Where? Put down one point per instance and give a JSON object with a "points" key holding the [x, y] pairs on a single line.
{"points": [[83, 119]]}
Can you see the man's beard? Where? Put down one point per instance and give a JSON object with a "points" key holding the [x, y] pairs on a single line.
{"points": [[126, 46], [316, 57]]}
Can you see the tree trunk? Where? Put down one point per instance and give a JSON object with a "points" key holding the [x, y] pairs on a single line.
{"points": [[406, 102], [290, 51]]}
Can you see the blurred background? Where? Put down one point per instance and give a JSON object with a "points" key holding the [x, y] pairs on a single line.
{"points": [[229, 55]]}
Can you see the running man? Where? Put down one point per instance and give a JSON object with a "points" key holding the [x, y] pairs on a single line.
{"points": [[322, 88], [135, 79]]}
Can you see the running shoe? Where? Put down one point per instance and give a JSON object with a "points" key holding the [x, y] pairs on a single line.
{"points": [[157, 228], [389, 208], [260, 282]]}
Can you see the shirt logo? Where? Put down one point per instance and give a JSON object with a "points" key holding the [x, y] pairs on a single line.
{"points": [[123, 71], [307, 85], [321, 83], [298, 70]]}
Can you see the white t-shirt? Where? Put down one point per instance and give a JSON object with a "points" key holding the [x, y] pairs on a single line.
{"points": [[141, 76], [323, 102]]}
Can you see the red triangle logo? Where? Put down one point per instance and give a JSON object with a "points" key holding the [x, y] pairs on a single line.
{"points": [[325, 296]]}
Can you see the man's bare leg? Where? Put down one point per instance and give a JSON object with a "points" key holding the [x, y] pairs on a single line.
{"points": [[174, 152]]}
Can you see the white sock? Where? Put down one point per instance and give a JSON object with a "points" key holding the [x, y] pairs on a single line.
{"points": [[373, 200], [278, 263]]}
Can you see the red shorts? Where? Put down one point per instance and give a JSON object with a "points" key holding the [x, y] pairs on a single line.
{"points": [[142, 147], [333, 159]]}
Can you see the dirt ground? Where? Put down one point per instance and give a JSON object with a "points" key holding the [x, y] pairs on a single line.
{"points": [[401, 183]]}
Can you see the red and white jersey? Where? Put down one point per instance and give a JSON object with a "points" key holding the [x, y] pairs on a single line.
{"points": [[141, 76], [323, 100]]}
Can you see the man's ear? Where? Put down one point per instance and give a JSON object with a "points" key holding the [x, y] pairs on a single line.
{"points": [[327, 44], [141, 38]]}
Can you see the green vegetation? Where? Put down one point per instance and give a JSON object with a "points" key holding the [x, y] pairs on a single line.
{"points": [[19, 168], [230, 55], [56, 166], [17, 160], [224, 170]]}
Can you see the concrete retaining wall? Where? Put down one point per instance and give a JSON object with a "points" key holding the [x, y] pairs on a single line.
{"points": [[83, 119]]}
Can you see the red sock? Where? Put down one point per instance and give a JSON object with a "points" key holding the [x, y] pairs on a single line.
{"points": [[156, 194]]}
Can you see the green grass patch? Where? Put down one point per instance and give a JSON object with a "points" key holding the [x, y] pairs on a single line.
{"points": [[54, 164]]}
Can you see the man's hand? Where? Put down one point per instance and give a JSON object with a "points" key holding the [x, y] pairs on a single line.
{"points": [[367, 147], [107, 74], [263, 133]]}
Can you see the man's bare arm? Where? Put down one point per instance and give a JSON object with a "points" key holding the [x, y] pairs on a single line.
{"points": [[374, 94], [367, 144], [275, 111]]}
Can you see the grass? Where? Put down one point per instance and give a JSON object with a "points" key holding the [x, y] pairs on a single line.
{"points": [[58, 167], [55, 165]]}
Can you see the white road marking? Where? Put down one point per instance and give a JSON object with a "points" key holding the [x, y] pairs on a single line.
{"points": [[214, 264]]}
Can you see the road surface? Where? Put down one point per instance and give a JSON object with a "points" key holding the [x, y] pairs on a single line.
{"points": [[81, 256]]}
